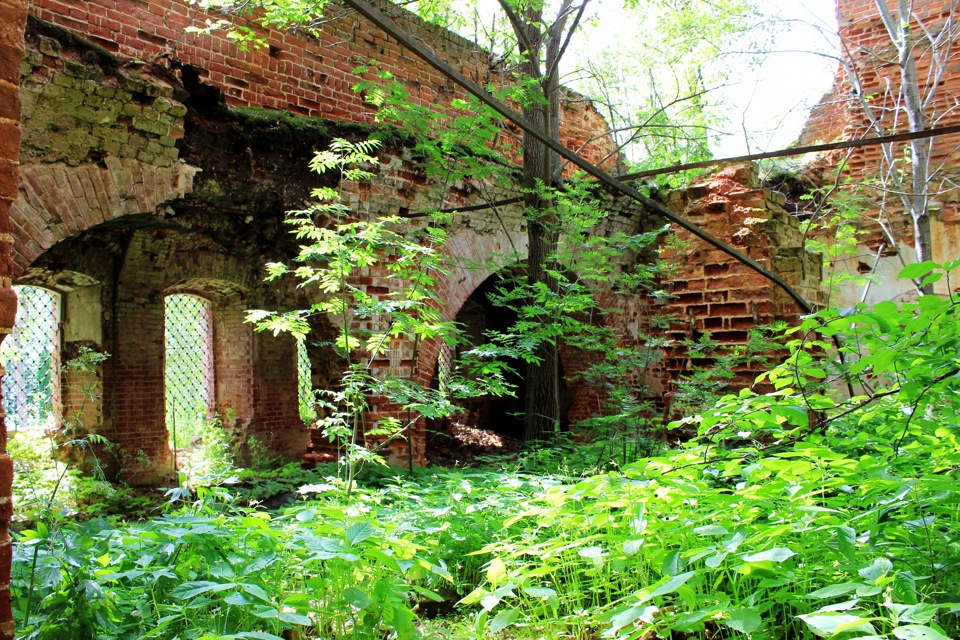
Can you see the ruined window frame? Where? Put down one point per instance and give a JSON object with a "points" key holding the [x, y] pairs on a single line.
{"points": [[187, 418], [17, 369]]}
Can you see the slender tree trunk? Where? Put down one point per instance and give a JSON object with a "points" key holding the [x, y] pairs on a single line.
{"points": [[542, 412], [542, 402], [898, 28]]}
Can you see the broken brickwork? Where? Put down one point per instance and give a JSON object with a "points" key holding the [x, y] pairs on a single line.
{"points": [[310, 76], [151, 175], [12, 16], [868, 77], [137, 187], [717, 296]]}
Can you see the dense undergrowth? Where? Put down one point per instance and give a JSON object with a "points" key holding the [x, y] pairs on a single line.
{"points": [[800, 512]]}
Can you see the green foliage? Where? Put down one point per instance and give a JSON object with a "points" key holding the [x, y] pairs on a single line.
{"points": [[835, 231], [796, 512], [206, 574], [658, 79], [213, 449], [338, 252]]}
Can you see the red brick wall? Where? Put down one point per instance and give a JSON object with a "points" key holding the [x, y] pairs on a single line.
{"points": [[275, 397], [307, 76], [255, 374], [840, 115], [12, 16], [716, 295]]}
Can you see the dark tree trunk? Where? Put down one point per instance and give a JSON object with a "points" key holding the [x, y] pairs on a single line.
{"points": [[542, 412], [542, 406]]}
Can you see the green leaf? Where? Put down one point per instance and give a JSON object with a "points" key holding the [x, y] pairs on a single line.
{"points": [[834, 590], [256, 591], [496, 572], [356, 598], [632, 547], [474, 596], [504, 619], [777, 554], [917, 270], [830, 624], [710, 530], [880, 568], [847, 543], [905, 587], [918, 632], [189, 590], [671, 564], [296, 618], [547, 595], [629, 616], [594, 554], [745, 620], [664, 587], [357, 533]]}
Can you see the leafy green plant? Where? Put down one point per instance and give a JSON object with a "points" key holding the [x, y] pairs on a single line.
{"points": [[796, 512], [339, 250], [67, 448]]}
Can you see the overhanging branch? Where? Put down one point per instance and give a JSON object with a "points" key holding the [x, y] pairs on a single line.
{"points": [[416, 47]]}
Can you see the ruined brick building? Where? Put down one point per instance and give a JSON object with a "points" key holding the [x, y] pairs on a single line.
{"points": [[868, 99], [143, 174]]}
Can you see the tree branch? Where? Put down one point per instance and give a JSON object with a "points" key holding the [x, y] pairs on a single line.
{"points": [[603, 177]]}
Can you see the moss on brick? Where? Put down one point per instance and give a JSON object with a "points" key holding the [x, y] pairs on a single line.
{"points": [[278, 127], [89, 52]]}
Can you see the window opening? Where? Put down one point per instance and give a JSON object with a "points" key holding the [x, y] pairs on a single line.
{"points": [[308, 412], [188, 366], [31, 357]]}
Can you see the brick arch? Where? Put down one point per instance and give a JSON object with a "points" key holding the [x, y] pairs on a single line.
{"points": [[457, 288], [57, 201], [217, 276], [473, 252], [232, 343], [61, 280]]}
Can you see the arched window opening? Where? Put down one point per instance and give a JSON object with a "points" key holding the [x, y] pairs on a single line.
{"points": [[188, 366], [31, 357], [308, 412]]}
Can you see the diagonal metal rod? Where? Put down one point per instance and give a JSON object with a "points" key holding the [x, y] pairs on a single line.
{"points": [[392, 29], [782, 153], [799, 151]]}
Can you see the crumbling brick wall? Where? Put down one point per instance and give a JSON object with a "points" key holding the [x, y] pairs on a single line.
{"points": [[310, 76], [12, 17], [717, 295], [867, 76], [116, 196]]}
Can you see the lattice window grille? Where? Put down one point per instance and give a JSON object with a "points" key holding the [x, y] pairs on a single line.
{"points": [[308, 412], [444, 367], [31, 357], [188, 366]]}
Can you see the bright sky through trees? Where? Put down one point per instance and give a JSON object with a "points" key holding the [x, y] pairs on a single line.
{"points": [[767, 97], [773, 100]]}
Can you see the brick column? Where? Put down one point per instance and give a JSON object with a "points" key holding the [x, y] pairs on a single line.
{"points": [[13, 14]]}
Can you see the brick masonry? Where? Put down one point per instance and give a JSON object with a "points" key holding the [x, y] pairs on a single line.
{"points": [[12, 17], [841, 116], [135, 188], [714, 294], [310, 76]]}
